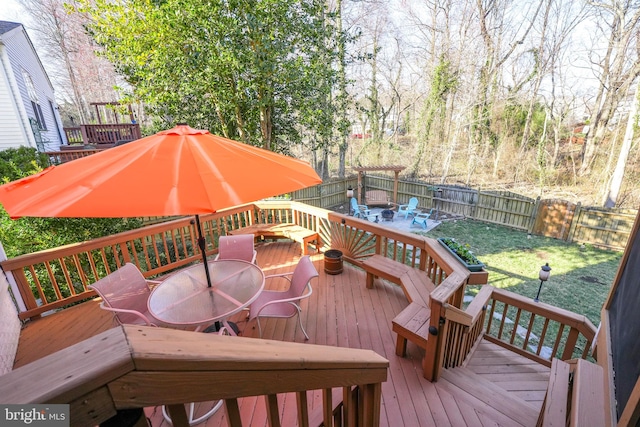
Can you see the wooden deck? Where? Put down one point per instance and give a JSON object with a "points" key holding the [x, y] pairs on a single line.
{"points": [[496, 388]]}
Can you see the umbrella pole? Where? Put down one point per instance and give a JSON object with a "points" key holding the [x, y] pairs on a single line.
{"points": [[202, 245]]}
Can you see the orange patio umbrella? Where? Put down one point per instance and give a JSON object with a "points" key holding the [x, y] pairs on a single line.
{"points": [[180, 171]]}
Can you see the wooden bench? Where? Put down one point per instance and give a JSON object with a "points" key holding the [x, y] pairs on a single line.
{"points": [[412, 323], [377, 198], [299, 234], [379, 266]]}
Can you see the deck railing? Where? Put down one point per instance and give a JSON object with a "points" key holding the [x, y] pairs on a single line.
{"points": [[537, 331], [58, 157], [110, 134], [55, 278], [135, 367], [74, 135]]}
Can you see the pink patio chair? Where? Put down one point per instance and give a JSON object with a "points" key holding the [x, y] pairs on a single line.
{"points": [[285, 304], [237, 247], [125, 293]]}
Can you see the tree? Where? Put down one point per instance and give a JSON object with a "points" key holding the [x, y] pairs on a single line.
{"points": [[252, 70], [341, 99], [617, 68], [615, 183], [80, 76]]}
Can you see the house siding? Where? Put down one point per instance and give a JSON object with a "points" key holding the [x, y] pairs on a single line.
{"points": [[13, 131], [23, 58]]}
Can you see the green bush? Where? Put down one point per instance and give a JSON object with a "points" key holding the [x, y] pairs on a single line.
{"points": [[17, 163]]}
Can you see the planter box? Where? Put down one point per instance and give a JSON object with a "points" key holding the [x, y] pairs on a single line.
{"points": [[470, 267]]}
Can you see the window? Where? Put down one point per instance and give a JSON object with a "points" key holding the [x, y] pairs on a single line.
{"points": [[33, 96]]}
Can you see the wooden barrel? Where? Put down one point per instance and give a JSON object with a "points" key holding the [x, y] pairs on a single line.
{"points": [[333, 261]]}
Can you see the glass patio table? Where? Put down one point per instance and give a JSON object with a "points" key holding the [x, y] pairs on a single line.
{"points": [[184, 300]]}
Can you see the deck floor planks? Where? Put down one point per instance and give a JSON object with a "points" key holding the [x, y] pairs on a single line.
{"points": [[343, 312], [453, 409], [488, 393], [424, 413], [330, 320], [379, 318], [49, 334]]}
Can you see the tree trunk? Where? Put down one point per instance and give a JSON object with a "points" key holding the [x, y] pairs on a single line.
{"points": [[618, 174], [343, 123]]}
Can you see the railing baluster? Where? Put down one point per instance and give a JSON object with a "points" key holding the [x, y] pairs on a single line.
{"points": [[516, 322], [327, 407], [25, 290], [528, 334], [273, 414], [303, 409], [570, 344], [558, 339], [502, 320], [178, 415], [81, 274], [156, 254], [491, 312], [67, 276], [54, 282], [542, 336], [165, 247], [233, 412]]}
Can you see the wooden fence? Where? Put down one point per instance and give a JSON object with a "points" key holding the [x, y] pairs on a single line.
{"points": [[560, 219]]}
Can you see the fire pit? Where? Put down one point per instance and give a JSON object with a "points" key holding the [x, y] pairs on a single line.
{"points": [[387, 215]]}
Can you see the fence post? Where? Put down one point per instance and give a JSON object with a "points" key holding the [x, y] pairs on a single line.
{"points": [[574, 222], [474, 208], [85, 136], [534, 215]]}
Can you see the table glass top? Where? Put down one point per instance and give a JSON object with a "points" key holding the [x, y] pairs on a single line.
{"points": [[185, 299]]}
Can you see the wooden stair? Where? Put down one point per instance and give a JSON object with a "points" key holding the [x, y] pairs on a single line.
{"points": [[487, 398], [575, 396]]}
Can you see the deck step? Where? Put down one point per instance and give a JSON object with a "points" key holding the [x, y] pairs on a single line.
{"points": [[469, 386], [574, 393]]}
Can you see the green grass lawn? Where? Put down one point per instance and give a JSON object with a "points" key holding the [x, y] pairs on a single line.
{"points": [[580, 277]]}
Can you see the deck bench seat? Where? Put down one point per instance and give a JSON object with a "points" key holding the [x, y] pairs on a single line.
{"points": [[417, 286], [380, 266], [412, 323], [297, 233]]}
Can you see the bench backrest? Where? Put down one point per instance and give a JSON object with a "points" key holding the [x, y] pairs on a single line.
{"points": [[376, 197]]}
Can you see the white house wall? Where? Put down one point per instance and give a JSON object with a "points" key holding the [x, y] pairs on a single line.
{"points": [[22, 56], [13, 129]]}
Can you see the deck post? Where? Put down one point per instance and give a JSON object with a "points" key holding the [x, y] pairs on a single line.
{"points": [[430, 368]]}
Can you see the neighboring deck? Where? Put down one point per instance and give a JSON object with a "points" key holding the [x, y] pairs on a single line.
{"points": [[343, 312]]}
